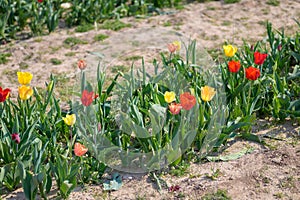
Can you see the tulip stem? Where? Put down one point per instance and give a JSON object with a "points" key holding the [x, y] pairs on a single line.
{"points": [[249, 99]]}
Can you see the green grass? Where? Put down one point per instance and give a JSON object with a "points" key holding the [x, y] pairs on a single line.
{"points": [[24, 65], [133, 58], [54, 49], [72, 41], [167, 23], [70, 54], [84, 28], [231, 1], [211, 8], [100, 37], [119, 68], [180, 169], [226, 23], [55, 61], [273, 2], [3, 58], [219, 195], [63, 86], [114, 25], [11, 75]]}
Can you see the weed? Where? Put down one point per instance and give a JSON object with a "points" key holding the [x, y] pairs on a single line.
{"points": [[220, 195], [214, 175], [273, 2], [180, 169], [167, 23], [100, 37], [28, 57], [140, 197], [72, 41], [70, 54], [38, 39], [231, 1], [84, 28], [133, 58], [287, 182], [114, 25], [3, 58], [23, 65], [278, 195], [226, 23], [211, 8], [119, 68], [63, 87], [135, 43], [55, 61], [54, 49], [265, 11], [10, 74]]}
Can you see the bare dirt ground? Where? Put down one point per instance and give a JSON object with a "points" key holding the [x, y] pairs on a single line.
{"points": [[268, 172]]}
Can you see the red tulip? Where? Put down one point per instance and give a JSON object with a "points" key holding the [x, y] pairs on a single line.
{"points": [[259, 58], [16, 138], [175, 108], [4, 94], [187, 101], [87, 98], [40, 1], [252, 73], [234, 66]]}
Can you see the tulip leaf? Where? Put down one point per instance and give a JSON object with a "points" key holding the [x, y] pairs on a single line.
{"points": [[114, 184], [229, 157]]}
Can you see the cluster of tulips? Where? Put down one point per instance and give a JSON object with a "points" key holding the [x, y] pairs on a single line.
{"points": [[252, 73]]}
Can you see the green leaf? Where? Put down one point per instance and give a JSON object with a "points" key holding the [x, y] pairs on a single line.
{"points": [[2, 174], [251, 137], [66, 187], [21, 169], [114, 184], [295, 55], [229, 157]]}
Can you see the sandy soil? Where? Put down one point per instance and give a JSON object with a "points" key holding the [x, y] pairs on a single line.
{"points": [[269, 172]]}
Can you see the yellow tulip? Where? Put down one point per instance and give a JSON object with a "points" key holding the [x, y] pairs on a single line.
{"points": [[169, 97], [25, 92], [24, 78], [177, 44], [70, 119], [229, 50], [207, 93]]}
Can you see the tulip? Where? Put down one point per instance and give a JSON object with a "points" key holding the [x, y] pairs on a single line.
{"points": [[187, 101], [174, 46], [259, 58], [87, 98], [25, 92], [70, 119], [207, 93], [252, 73], [4, 94], [24, 78], [79, 149], [175, 108], [16, 138], [81, 64], [169, 97], [229, 50], [234, 66]]}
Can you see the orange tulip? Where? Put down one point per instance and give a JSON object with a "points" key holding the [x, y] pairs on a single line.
{"points": [[187, 101], [79, 149], [81, 64]]}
